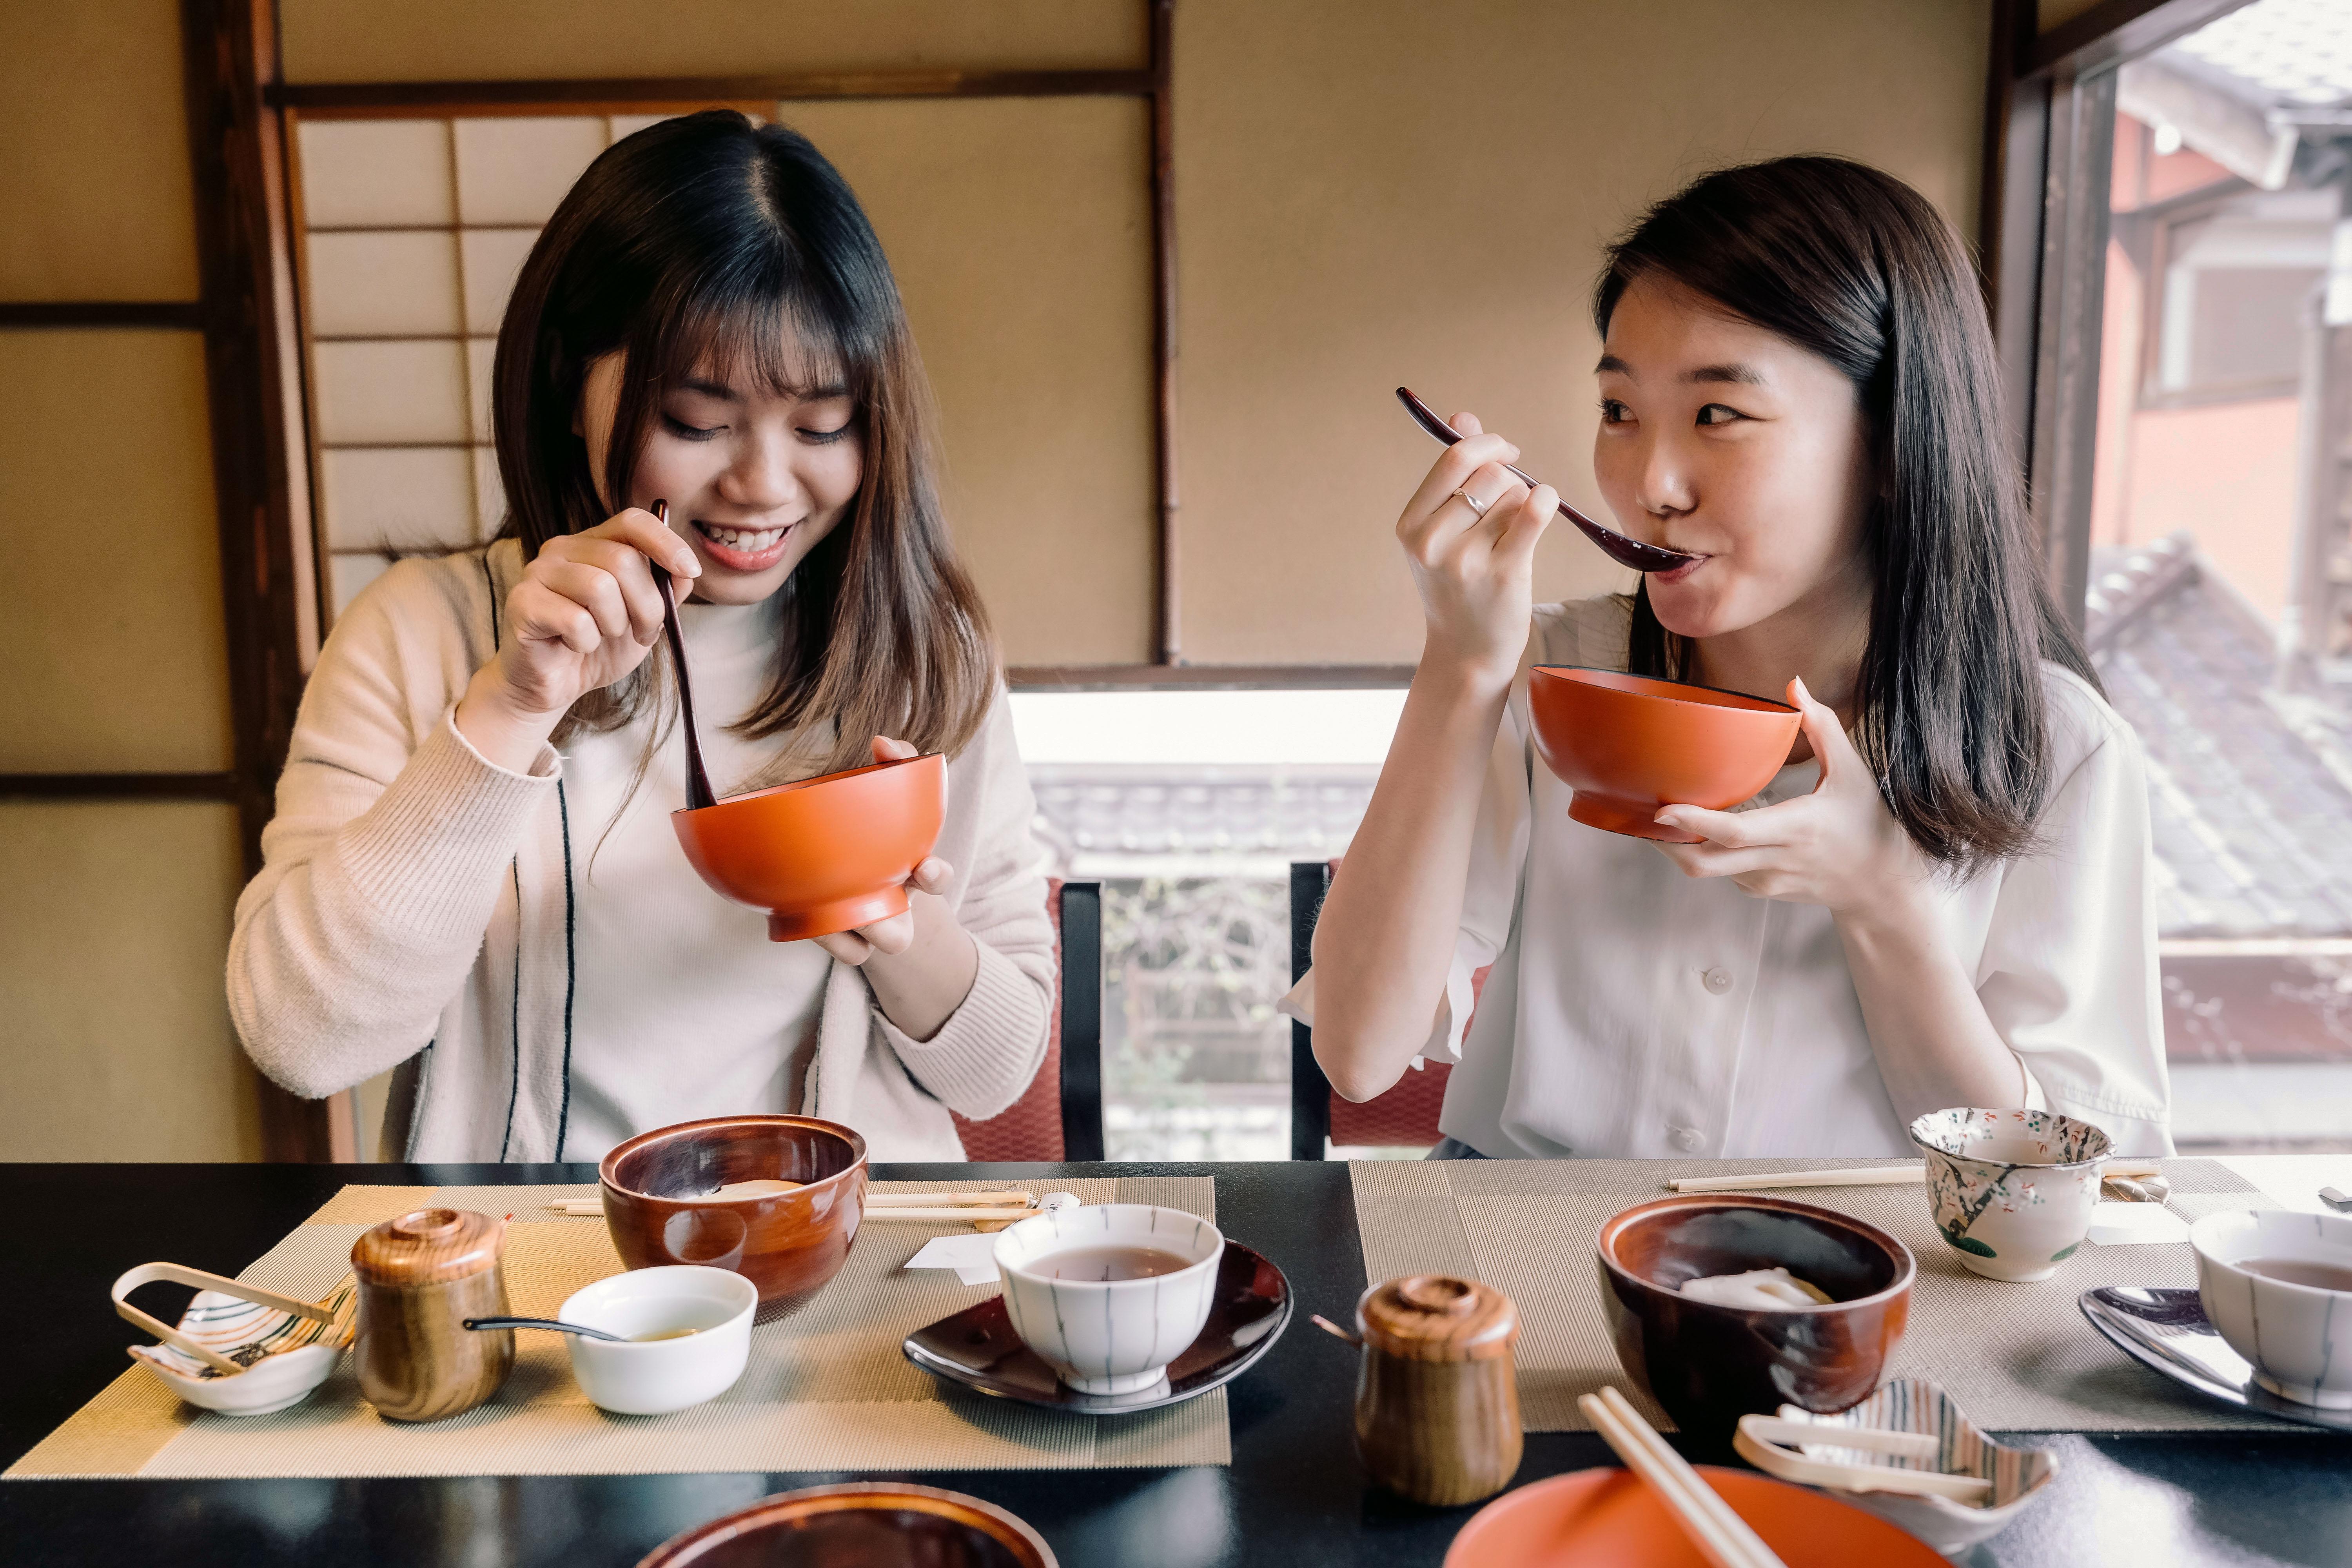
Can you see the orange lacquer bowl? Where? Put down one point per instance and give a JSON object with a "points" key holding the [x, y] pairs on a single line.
{"points": [[824, 854], [1607, 1519], [1628, 744]]}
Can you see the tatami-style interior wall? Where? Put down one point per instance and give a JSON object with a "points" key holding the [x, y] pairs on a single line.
{"points": [[115, 1041]]}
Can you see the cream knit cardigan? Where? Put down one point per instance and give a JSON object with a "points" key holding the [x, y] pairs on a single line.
{"points": [[414, 909]]}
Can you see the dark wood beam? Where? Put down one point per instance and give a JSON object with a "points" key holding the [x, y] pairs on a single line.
{"points": [[644, 93], [1167, 640], [169, 315], [1207, 676], [238, 156], [118, 786], [2115, 31]]}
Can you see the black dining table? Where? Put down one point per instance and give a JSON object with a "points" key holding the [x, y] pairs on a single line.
{"points": [[1294, 1495]]}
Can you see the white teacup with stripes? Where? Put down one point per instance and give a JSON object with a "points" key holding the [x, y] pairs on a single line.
{"points": [[1074, 1298]]}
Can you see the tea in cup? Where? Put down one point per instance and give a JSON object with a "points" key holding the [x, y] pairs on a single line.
{"points": [[2014, 1191], [2278, 1287], [1109, 1294]]}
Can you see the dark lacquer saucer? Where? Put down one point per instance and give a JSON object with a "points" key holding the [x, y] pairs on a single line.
{"points": [[978, 1348], [2166, 1331]]}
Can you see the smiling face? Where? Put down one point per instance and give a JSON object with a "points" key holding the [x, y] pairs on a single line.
{"points": [[1728, 441], [754, 478]]}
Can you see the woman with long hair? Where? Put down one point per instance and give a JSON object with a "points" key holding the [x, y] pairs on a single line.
{"points": [[1944, 897], [471, 878]]}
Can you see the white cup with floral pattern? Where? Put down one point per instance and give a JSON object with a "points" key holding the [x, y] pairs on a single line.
{"points": [[2013, 1191]]}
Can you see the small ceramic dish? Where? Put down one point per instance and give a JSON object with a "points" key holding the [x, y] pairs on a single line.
{"points": [[688, 1331], [1949, 1448], [2013, 1191], [656, 1192], [978, 1349], [1708, 1364], [237, 1349], [824, 855], [2247, 1264], [863, 1524], [2166, 1331], [1628, 744], [1609, 1517]]}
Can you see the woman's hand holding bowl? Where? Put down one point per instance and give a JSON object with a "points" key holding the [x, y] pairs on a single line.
{"points": [[1839, 846], [895, 935], [1474, 566], [584, 616]]}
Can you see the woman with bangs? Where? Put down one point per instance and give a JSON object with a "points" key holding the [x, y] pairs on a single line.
{"points": [[471, 878]]}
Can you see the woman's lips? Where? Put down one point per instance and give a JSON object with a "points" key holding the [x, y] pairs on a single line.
{"points": [[743, 549], [1679, 572]]}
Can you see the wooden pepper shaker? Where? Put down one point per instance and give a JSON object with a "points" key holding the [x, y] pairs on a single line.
{"points": [[1437, 1400], [420, 1277]]}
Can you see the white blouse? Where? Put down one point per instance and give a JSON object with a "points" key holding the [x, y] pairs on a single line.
{"points": [[1633, 1012]]}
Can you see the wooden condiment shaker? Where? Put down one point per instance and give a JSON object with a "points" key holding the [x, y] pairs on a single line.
{"points": [[1437, 1401], [420, 1277]]}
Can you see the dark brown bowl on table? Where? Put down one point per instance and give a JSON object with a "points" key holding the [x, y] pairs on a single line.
{"points": [[1709, 1365], [788, 1244], [865, 1524]]}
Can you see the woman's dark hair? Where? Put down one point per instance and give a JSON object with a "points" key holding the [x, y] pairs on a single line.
{"points": [[707, 245], [1855, 266]]}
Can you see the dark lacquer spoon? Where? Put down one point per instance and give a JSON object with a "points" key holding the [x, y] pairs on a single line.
{"points": [[698, 782], [483, 1325], [1625, 552]]}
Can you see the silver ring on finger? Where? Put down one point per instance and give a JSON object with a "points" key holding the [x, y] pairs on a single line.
{"points": [[1477, 508]]}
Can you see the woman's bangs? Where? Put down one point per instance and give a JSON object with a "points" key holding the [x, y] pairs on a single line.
{"points": [[780, 341]]}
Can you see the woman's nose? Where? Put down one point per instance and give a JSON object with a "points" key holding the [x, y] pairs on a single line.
{"points": [[1662, 485], [762, 478]]}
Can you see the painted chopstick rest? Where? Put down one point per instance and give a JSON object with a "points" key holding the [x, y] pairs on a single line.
{"points": [[420, 1276], [1437, 1401], [2013, 1191], [239, 1349], [1907, 1454]]}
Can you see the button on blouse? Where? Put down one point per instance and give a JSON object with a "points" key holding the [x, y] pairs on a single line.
{"points": [[1589, 1038]]}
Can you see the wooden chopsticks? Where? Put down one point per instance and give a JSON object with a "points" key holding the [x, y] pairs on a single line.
{"points": [[1868, 1176], [1720, 1534], [992, 1209]]}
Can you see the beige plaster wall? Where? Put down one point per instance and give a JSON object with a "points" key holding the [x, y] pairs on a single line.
{"points": [[94, 154], [115, 1042], [1382, 192], [110, 613]]}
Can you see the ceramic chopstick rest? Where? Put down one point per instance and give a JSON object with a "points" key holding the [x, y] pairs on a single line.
{"points": [[239, 1349], [420, 1276]]}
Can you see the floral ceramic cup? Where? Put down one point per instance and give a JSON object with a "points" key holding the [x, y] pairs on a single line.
{"points": [[2013, 1190]]}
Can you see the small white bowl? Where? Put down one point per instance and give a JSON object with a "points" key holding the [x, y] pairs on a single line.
{"points": [[655, 1376], [285, 1357], [1109, 1336], [2298, 1337]]}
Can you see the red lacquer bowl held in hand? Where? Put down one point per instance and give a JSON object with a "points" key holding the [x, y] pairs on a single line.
{"points": [[789, 1243], [1604, 1518], [1628, 744], [1709, 1365], [824, 854]]}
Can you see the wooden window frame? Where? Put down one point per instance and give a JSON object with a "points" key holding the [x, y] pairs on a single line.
{"points": [[2050, 114]]}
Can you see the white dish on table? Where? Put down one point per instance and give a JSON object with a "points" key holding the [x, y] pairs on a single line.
{"points": [[708, 1309], [2298, 1337], [1114, 1336]]}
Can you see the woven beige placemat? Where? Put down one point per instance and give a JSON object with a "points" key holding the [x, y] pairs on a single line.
{"points": [[826, 1388], [2015, 1357]]}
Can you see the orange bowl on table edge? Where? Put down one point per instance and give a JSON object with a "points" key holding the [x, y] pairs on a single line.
{"points": [[866, 1515], [1607, 1517], [789, 1243], [1707, 1364], [1628, 744], [824, 855]]}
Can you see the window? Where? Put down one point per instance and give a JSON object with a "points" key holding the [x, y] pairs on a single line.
{"points": [[412, 234]]}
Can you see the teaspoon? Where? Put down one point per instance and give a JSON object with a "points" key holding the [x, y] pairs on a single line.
{"points": [[1625, 552], [698, 782], [484, 1324]]}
